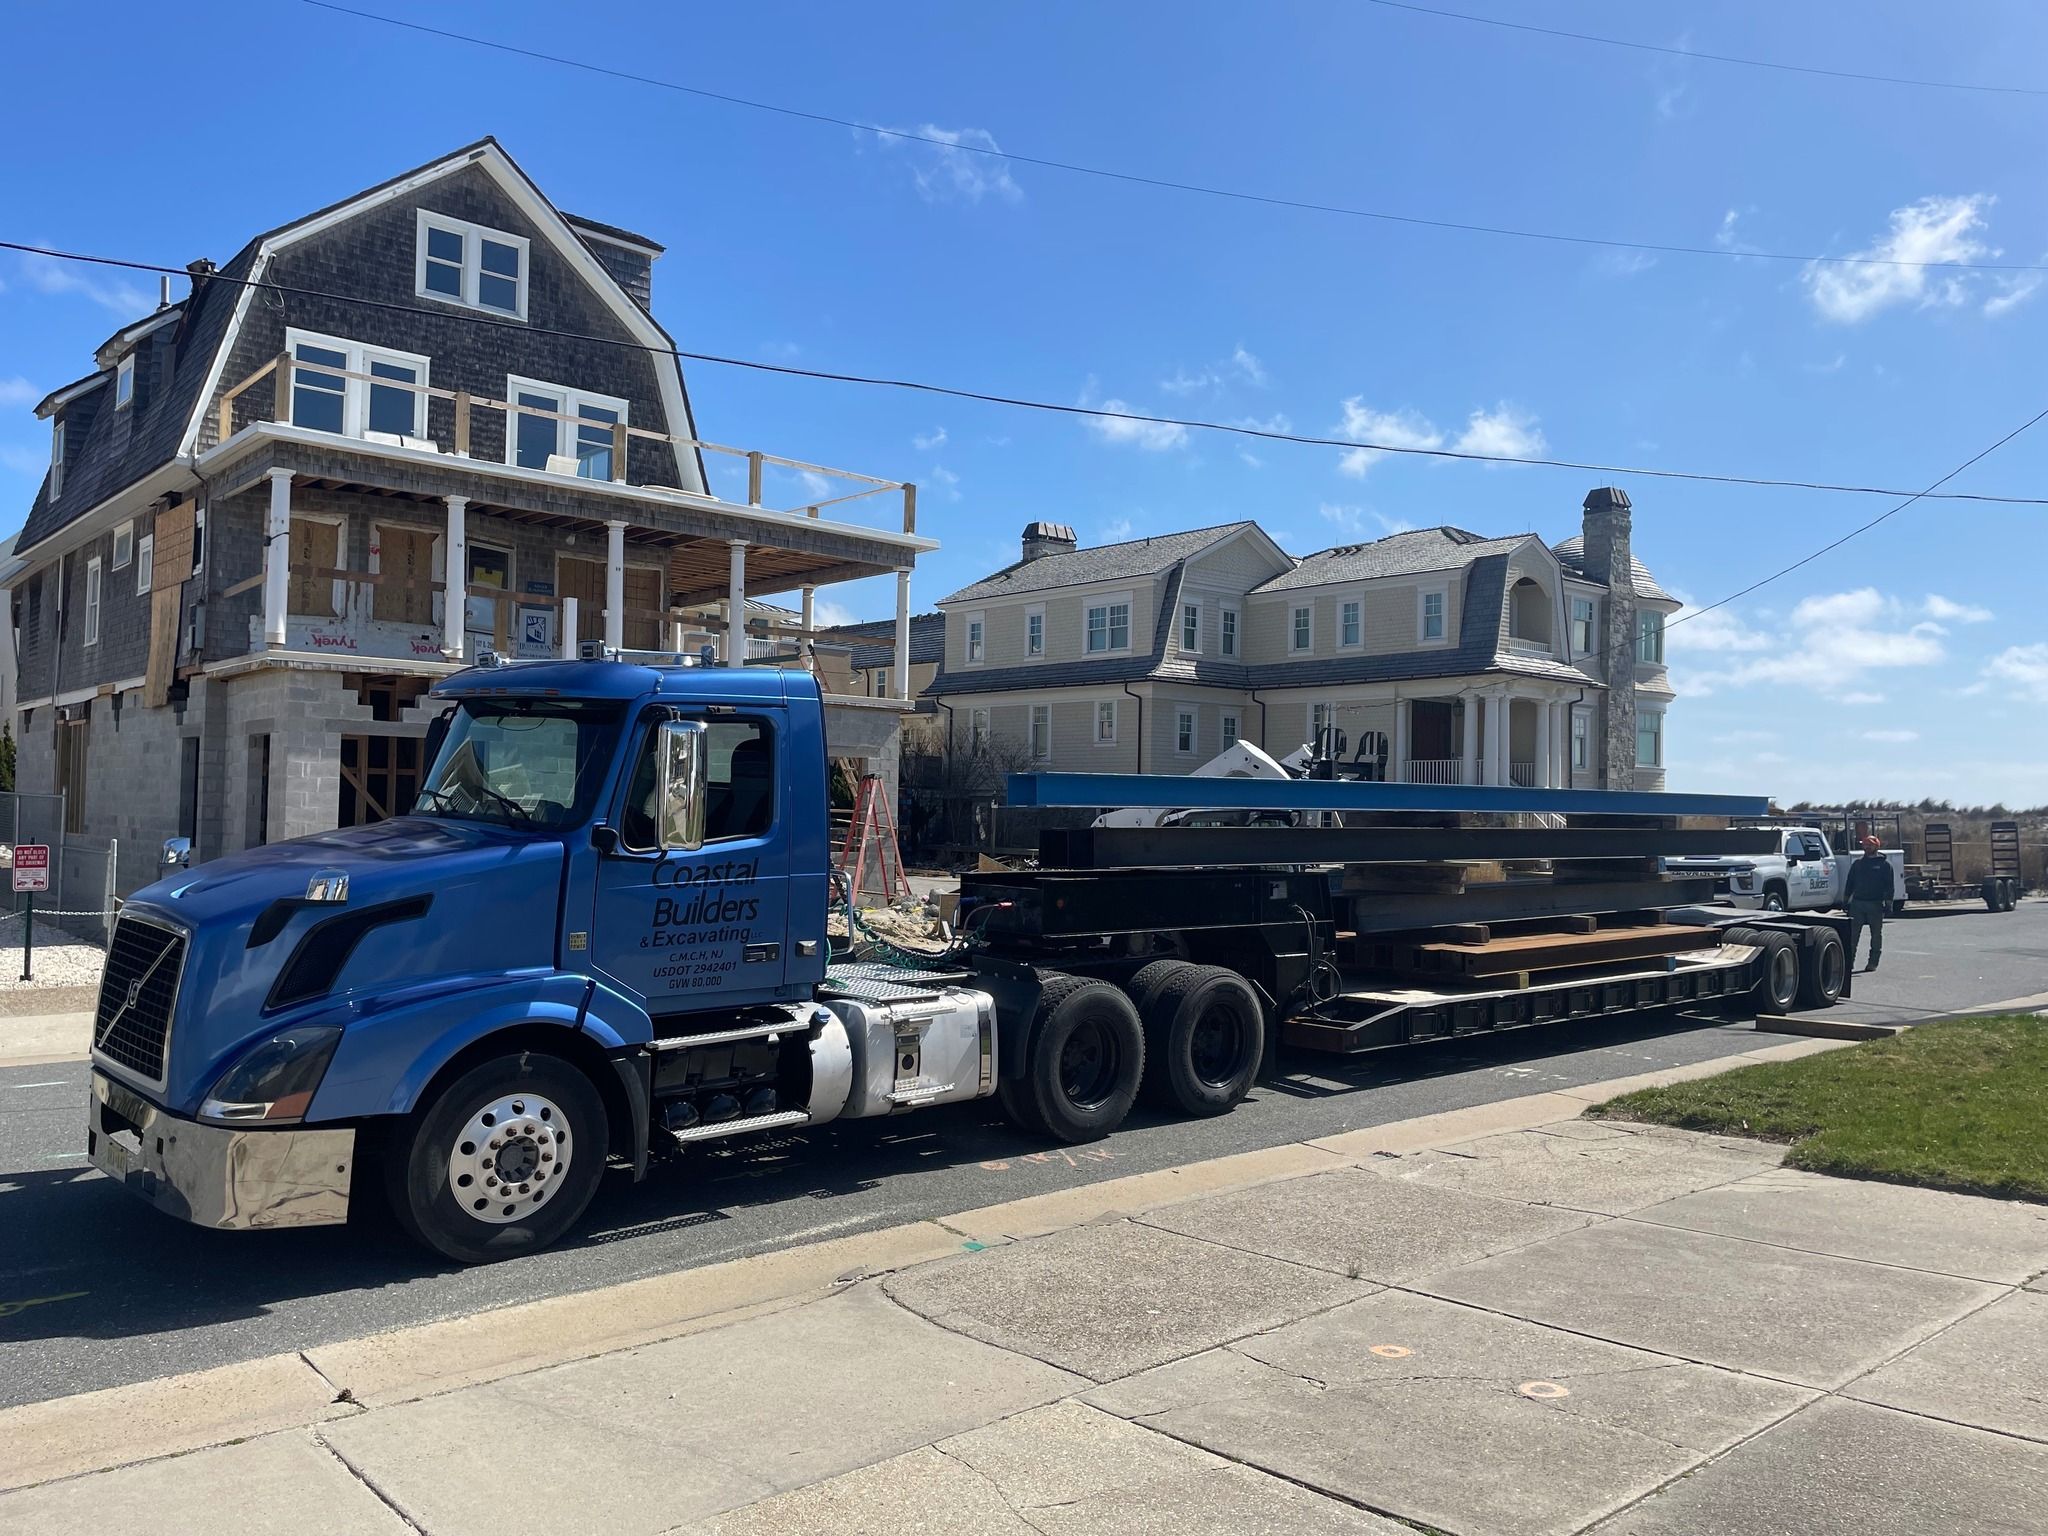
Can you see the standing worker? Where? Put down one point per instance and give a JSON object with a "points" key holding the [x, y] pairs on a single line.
{"points": [[1867, 892]]}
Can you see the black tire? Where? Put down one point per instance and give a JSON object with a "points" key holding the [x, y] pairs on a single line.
{"points": [[1776, 898], [1150, 978], [419, 1172], [1205, 1035], [1777, 990], [1740, 933], [2011, 893], [1991, 899], [1823, 970], [1083, 1060]]}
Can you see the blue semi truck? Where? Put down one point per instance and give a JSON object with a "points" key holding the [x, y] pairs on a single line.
{"points": [[602, 934]]}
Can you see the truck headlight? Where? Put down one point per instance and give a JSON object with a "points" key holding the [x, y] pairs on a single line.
{"points": [[274, 1083]]}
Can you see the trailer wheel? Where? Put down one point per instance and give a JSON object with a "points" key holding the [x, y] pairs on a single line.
{"points": [[1205, 1035], [1777, 991], [1145, 985], [1083, 1061], [502, 1161], [1991, 901], [1821, 977]]}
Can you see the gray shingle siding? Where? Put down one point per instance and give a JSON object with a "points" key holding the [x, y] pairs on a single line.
{"points": [[1419, 552]]}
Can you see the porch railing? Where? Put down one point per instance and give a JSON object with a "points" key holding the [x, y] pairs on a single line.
{"points": [[1434, 770], [1522, 775], [610, 438]]}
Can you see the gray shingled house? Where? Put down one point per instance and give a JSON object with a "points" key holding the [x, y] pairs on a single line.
{"points": [[1438, 655], [434, 418]]}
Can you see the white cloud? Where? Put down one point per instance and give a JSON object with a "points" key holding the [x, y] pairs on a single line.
{"points": [[18, 391], [958, 167], [1252, 460], [1861, 698], [1894, 737], [1241, 367], [1831, 643], [1116, 530], [1935, 229], [1505, 430], [1120, 428], [34, 462], [825, 613], [814, 482], [2022, 669], [1397, 429], [1737, 738], [1834, 366], [947, 482], [1715, 629], [1938, 607], [925, 442], [46, 274], [1249, 367], [1352, 520], [2013, 291], [1624, 263]]}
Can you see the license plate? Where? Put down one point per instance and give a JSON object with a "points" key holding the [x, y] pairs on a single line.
{"points": [[116, 1157]]}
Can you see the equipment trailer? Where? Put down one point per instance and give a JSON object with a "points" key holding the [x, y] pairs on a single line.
{"points": [[603, 931]]}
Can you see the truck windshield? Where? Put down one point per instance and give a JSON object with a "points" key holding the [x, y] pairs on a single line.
{"points": [[528, 764]]}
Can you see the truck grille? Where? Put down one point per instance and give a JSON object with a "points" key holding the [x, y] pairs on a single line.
{"points": [[138, 991]]}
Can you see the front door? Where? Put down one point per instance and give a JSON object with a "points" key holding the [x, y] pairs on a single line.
{"points": [[707, 928]]}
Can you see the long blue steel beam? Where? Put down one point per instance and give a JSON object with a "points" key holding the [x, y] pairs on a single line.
{"points": [[1167, 790]]}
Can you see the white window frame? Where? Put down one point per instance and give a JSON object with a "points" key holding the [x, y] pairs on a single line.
{"points": [[1422, 597], [94, 591], [1351, 617], [1106, 605], [1186, 730], [1231, 730], [1229, 627], [124, 545], [473, 236], [977, 731], [124, 383], [568, 402], [56, 458], [1581, 741], [1650, 628], [355, 392], [1038, 733], [1100, 739], [1591, 620], [1191, 620], [974, 640], [145, 563], [1034, 652], [1657, 758], [1300, 617], [1322, 714], [878, 681]]}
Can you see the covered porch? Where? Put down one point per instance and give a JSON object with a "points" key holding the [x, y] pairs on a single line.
{"points": [[1490, 732]]}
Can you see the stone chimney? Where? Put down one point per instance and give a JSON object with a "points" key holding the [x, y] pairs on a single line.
{"points": [[1608, 560], [1042, 539]]}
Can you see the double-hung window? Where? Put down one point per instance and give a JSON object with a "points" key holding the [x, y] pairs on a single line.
{"points": [[1109, 627], [977, 641], [1650, 738], [56, 458], [577, 425], [881, 682], [1190, 627], [1432, 626], [1300, 628], [1582, 626], [336, 387], [1649, 637], [977, 726], [466, 263], [145, 563], [92, 601], [1105, 723], [1350, 622], [1230, 728], [124, 545], [1041, 732], [1034, 632], [1228, 633], [124, 383], [1184, 730], [1582, 740]]}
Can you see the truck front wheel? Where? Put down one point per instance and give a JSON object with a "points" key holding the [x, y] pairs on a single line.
{"points": [[1083, 1060], [1775, 898], [502, 1161]]}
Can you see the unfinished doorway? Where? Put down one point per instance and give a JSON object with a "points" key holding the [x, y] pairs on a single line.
{"points": [[380, 778]]}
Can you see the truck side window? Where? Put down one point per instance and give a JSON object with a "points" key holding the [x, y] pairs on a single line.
{"points": [[740, 780], [1815, 847], [1792, 849]]}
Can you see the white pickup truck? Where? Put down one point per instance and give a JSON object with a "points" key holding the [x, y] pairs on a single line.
{"points": [[1804, 874]]}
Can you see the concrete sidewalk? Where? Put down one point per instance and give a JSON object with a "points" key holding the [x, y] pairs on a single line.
{"points": [[1504, 1320]]}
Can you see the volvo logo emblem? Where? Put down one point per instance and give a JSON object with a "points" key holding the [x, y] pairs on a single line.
{"points": [[134, 993]]}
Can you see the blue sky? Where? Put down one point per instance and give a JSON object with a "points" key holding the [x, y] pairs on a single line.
{"points": [[1914, 661]]}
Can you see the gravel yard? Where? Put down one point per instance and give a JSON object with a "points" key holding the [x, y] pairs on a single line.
{"points": [[60, 959]]}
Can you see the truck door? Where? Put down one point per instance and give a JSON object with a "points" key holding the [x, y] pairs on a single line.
{"points": [[706, 928], [1821, 879]]}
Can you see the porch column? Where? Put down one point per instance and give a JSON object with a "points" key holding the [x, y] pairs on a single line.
{"points": [[1397, 750], [570, 649], [277, 556], [736, 605], [902, 678], [807, 643], [1499, 730], [1561, 744], [455, 585], [615, 586], [1468, 747], [1543, 769]]}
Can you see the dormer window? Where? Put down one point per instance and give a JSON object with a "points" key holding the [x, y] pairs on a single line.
{"points": [[124, 383], [336, 388], [56, 458], [466, 263]]}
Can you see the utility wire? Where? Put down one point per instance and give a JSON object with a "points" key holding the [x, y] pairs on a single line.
{"points": [[1711, 58], [1018, 402], [1164, 183]]}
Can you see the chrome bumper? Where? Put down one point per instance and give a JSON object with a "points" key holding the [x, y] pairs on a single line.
{"points": [[213, 1176]]}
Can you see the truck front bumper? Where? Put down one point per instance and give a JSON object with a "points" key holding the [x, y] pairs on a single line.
{"points": [[214, 1175]]}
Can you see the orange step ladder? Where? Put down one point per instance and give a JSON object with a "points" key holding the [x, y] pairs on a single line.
{"points": [[872, 833]]}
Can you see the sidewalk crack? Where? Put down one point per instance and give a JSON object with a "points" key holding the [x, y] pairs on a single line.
{"points": [[1000, 1492], [369, 1483]]}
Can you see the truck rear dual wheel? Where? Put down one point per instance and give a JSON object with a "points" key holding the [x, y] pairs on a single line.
{"points": [[502, 1161], [1083, 1060], [1205, 1036], [1824, 968], [1777, 990]]}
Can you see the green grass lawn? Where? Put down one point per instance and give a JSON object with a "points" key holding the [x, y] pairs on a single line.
{"points": [[1961, 1105]]}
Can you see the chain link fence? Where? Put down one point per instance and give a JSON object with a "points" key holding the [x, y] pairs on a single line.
{"points": [[81, 896]]}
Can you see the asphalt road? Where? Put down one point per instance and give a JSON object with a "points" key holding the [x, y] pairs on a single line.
{"points": [[97, 1289]]}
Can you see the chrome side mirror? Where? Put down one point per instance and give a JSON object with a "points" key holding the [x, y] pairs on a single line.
{"points": [[682, 764], [177, 853]]}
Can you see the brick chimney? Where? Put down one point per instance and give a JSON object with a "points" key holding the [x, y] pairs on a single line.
{"points": [[1609, 561], [1042, 539]]}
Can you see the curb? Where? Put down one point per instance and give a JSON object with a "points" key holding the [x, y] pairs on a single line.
{"points": [[94, 1431]]}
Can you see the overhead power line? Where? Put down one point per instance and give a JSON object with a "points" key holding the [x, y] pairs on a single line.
{"points": [[1020, 402], [1163, 183], [1712, 58]]}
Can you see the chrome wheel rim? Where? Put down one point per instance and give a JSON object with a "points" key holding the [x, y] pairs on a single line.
{"points": [[509, 1158]]}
